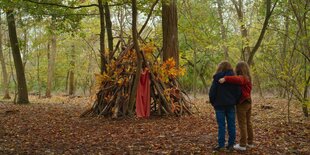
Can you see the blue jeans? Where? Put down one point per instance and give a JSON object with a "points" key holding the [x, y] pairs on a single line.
{"points": [[222, 114]]}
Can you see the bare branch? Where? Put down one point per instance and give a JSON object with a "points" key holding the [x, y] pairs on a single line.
{"points": [[263, 31], [73, 7], [148, 17], [64, 6]]}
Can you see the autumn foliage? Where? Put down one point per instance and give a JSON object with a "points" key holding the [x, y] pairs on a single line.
{"points": [[115, 85]]}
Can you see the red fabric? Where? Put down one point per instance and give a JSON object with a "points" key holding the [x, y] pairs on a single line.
{"points": [[245, 83], [143, 98]]}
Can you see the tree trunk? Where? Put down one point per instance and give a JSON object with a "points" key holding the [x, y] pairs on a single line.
{"points": [[90, 74], [109, 29], [269, 11], [286, 35], [223, 29], [71, 72], [247, 54], [305, 98], [170, 30], [51, 60], [204, 82], [195, 72], [19, 68], [244, 32], [133, 92], [25, 48], [4, 71], [301, 16], [102, 31], [38, 73], [121, 19]]}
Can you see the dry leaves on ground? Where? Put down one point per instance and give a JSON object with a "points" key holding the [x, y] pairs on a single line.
{"points": [[53, 126]]}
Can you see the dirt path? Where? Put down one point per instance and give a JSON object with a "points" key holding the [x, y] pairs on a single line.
{"points": [[54, 127]]}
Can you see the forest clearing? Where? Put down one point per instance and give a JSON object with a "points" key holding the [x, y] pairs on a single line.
{"points": [[154, 77], [53, 126]]}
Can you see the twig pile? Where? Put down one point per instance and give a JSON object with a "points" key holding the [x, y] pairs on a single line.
{"points": [[115, 86]]}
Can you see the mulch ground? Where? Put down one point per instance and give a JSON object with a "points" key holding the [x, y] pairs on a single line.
{"points": [[53, 126]]}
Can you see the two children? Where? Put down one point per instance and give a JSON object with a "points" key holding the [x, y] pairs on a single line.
{"points": [[243, 104], [223, 98]]}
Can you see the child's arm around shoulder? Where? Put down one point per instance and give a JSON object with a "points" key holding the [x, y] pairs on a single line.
{"points": [[235, 79]]}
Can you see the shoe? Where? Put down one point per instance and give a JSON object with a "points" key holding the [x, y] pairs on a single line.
{"points": [[238, 147], [250, 145], [217, 149], [230, 148]]}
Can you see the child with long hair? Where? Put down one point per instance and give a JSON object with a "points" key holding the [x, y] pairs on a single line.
{"points": [[223, 98], [244, 107]]}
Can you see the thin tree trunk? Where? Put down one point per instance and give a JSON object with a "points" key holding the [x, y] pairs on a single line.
{"points": [[25, 50], [12, 75], [304, 43], [257, 82], [102, 32], [19, 68], [4, 71], [133, 93], [305, 98], [284, 48], [204, 82], [38, 73], [71, 72], [109, 29], [195, 73], [90, 74], [121, 25], [269, 11], [283, 54], [170, 30], [244, 32], [223, 29], [51, 60]]}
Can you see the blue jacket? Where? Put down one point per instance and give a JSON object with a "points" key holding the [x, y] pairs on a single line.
{"points": [[225, 94]]}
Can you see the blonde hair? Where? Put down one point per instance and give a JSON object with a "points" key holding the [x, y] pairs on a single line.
{"points": [[243, 69], [223, 66]]}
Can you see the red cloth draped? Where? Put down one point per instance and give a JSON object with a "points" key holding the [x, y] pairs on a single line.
{"points": [[143, 98]]}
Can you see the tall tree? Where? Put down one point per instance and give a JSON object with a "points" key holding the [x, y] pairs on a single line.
{"points": [[71, 71], [170, 30], [223, 29], [243, 29], [4, 71], [109, 29], [19, 68], [102, 32], [301, 12], [247, 54], [133, 93], [51, 59], [268, 13]]}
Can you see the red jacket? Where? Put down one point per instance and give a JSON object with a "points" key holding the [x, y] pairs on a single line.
{"points": [[245, 83]]}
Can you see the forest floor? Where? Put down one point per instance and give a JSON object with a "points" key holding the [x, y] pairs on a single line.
{"points": [[53, 126]]}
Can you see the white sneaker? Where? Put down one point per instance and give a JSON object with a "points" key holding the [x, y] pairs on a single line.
{"points": [[238, 147], [250, 145]]}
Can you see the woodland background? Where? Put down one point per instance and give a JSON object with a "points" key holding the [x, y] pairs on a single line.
{"points": [[62, 44]]}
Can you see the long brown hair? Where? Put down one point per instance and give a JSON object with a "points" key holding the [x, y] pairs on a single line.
{"points": [[223, 66], [243, 69]]}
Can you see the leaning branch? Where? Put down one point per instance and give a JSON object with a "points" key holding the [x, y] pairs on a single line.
{"points": [[269, 12], [148, 17], [73, 7], [64, 6]]}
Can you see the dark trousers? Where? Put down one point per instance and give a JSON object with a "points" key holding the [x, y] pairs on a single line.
{"points": [[224, 114]]}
